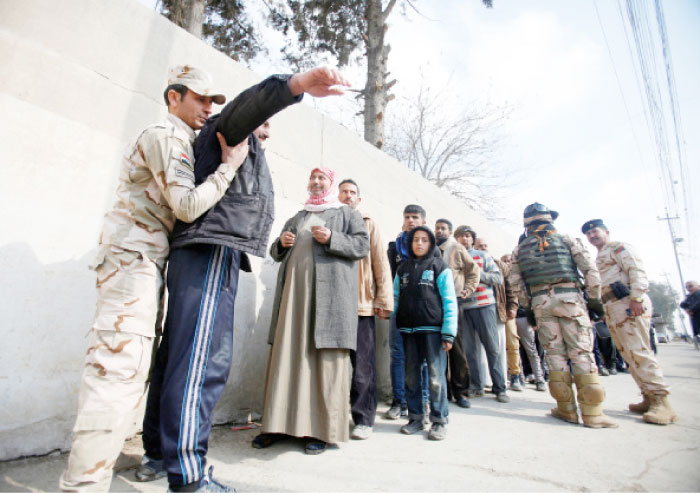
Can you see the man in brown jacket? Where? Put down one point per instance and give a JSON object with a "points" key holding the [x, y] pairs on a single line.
{"points": [[466, 276], [375, 298]]}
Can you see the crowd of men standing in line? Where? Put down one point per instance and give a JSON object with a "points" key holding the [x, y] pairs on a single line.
{"points": [[202, 202]]}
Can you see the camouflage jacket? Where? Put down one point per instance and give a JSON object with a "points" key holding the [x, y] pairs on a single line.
{"points": [[156, 186], [617, 261]]}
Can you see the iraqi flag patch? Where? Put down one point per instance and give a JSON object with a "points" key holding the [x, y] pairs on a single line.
{"points": [[619, 249], [185, 160]]}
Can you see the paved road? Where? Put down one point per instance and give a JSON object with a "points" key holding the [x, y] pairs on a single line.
{"points": [[514, 447]]}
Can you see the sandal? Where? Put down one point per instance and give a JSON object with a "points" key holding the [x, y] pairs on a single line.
{"points": [[265, 440], [315, 446]]}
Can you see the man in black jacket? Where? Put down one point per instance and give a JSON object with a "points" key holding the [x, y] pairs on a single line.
{"points": [[194, 358], [691, 305]]}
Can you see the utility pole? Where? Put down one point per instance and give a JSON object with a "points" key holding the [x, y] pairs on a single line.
{"points": [[674, 241]]}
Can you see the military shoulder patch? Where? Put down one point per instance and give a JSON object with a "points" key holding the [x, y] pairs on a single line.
{"points": [[619, 249], [185, 160]]}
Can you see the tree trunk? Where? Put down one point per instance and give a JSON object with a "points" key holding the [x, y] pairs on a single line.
{"points": [[376, 93], [194, 16]]}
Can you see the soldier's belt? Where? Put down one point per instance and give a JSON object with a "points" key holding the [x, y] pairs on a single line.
{"points": [[555, 289]]}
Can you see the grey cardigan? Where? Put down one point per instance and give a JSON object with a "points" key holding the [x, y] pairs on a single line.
{"points": [[335, 307]]}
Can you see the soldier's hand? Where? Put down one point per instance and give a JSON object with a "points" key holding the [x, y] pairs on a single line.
{"points": [[233, 155], [530, 316], [596, 306], [447, 345], [318, 82], [287, 239], [636, 308]]}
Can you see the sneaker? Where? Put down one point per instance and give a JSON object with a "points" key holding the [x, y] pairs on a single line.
{"points": [[603, 371], [515, 383], [150, 470], [522, 379], [361, 431], [209, 484], [413, 426], [437, 432], [463, 402], [541, 386], [315, 446], [396, 410], [531, 379], [612, 371], [502, 397], [475, 393]]}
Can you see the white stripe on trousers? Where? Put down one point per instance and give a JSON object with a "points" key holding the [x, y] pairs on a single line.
{"points": [[189, 427]]}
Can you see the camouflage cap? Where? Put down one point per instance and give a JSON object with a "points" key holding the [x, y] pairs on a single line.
{"points": [[196, 80]]}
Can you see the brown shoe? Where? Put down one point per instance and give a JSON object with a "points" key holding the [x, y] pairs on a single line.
{"points": [[566, 416], [660, 411], [641, 407], [598, 421]]}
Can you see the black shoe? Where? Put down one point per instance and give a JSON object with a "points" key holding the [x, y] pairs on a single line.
{"points": [[413, 426], [315, 446], [150, 470], [463, 402], [266, 440]]}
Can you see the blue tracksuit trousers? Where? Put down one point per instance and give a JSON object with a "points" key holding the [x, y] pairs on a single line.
{"points": [[193, 360]]}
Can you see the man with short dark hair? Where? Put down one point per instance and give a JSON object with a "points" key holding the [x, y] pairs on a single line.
{"points": [[466, 278], [375, 297], [628, 313], [413, 216], [156, 187], [480, 319], [194, 359]]}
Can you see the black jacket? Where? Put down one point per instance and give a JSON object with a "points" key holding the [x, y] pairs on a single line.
{"points": [[242, 219], [420, 303]]}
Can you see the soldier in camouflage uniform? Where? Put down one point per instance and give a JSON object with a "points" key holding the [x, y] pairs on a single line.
{"points": [[545, 276], [156, 186], [628, 315]]}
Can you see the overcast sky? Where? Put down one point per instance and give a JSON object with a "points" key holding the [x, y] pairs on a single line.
{"points": [[587, 151]]}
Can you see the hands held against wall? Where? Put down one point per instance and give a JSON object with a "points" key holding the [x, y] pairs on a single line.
{"points": [[318, 82], [233, 155]]}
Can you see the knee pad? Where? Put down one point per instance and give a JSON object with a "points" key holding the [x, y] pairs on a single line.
{"points": [[590, 389], [560, 391]]}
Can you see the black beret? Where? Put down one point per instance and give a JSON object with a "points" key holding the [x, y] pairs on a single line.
{"points": [[590, 224]]}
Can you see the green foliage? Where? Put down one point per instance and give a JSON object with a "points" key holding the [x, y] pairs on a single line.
{"points": [[321, 26], [665, 301], [225, 26]]}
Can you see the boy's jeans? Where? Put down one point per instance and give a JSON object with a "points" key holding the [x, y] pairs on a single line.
{"points": [[397, 365], [420, 347]]}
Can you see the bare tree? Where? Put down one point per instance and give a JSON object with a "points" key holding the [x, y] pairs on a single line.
{"points": [[454, 145]]}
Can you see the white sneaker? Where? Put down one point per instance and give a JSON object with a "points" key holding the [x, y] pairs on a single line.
{"points": [[361, 431]]}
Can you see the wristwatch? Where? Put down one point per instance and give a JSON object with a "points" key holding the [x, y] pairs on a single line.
{"points": [[637, 299]]}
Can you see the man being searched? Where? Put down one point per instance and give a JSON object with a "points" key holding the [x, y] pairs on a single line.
{"points": [[156, 187], [194, 359]]}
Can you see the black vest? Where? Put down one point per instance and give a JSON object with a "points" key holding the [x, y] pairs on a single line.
{"points": [[553, 265]]}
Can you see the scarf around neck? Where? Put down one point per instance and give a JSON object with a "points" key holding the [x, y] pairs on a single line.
{"points": [[327, 200]]}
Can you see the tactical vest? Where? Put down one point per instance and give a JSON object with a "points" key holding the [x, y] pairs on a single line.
{"points": [[554, 265]]}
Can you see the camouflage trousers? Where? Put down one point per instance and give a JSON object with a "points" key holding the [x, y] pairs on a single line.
{"points": [[631, 337], [565, 331], [117, 364]]}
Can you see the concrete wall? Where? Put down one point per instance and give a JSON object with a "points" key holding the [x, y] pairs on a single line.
{"points": [[79, 79]]}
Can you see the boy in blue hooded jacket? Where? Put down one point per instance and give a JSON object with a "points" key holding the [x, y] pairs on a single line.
{"points": [[426, 314]]}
